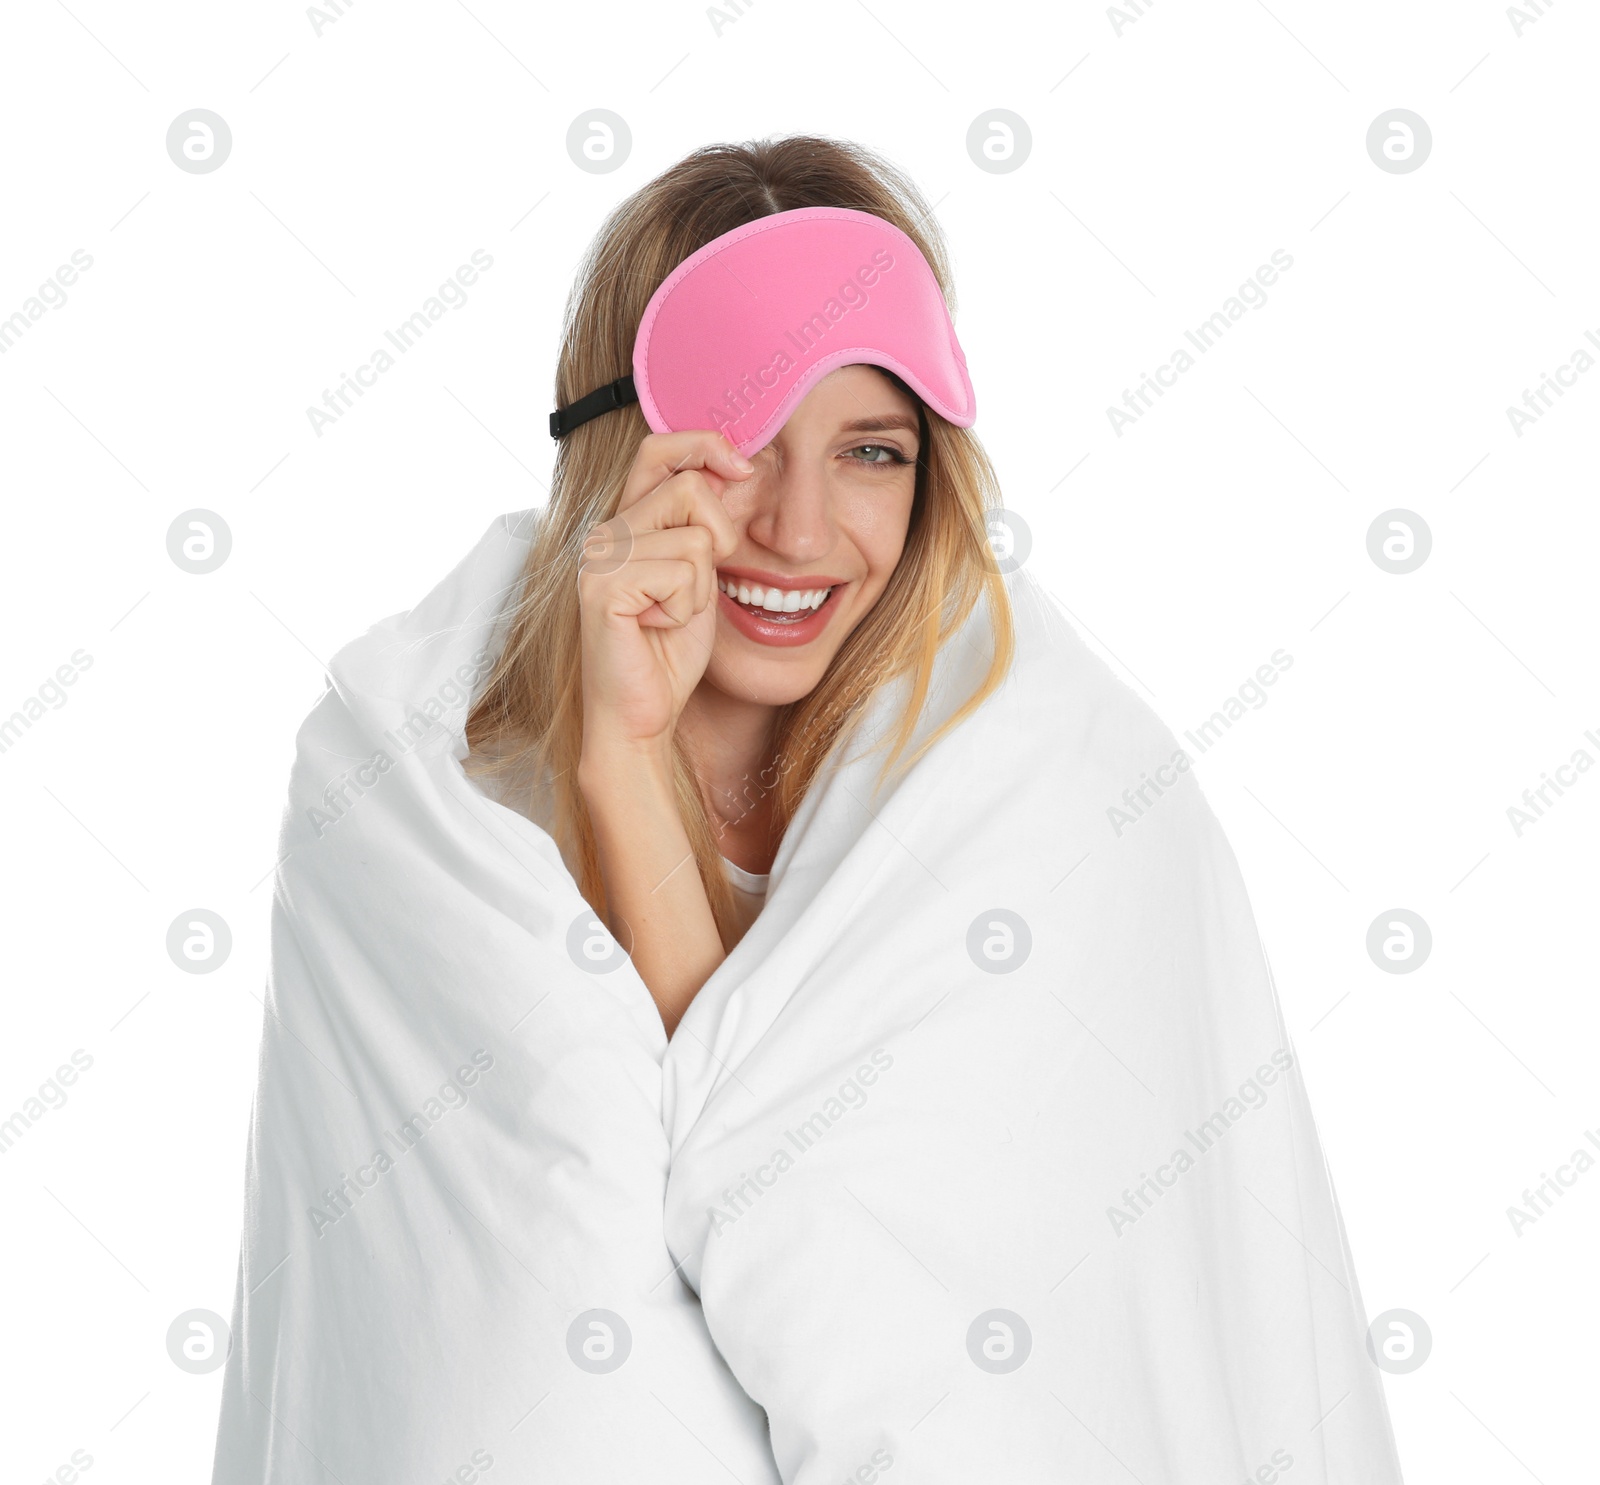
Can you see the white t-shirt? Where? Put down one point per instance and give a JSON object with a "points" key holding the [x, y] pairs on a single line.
{"points": [[749, 892]]}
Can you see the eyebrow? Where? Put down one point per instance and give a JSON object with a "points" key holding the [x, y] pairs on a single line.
{"points": [[882, 425]]}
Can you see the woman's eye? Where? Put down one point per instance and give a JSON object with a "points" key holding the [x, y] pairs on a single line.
{"points": [[891, 455]]}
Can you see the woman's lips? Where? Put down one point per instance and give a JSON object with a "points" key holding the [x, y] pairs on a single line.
{"points": [[779, 632]]}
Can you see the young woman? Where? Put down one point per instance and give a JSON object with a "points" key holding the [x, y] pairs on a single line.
{"points": [[976, 1150], [682, 741]]}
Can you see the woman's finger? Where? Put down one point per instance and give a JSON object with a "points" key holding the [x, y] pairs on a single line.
{"points": [[662, 455], [689, 498], [679, 478], [611, 546], [692, 497], [660, 592], [691, 543]]}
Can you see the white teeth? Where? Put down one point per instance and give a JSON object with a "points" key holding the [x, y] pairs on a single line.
{"points": [[775, 600]]}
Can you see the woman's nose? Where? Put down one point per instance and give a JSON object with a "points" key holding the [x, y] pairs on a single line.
{"points": [[793, 513]]}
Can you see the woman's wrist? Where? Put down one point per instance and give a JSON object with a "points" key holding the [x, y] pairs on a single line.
{"points": [[655, 907], [604, 770]]}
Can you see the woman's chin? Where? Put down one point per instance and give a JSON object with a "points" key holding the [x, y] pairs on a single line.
{"points": [[764, 679]]}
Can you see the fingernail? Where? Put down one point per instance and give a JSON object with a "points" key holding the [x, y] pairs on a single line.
{"points": [[741, 463]]}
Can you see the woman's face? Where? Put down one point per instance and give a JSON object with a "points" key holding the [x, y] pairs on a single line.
{"points": [[827, 509]]}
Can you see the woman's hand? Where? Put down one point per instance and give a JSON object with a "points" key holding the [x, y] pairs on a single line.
{"points": [[647, 591]]}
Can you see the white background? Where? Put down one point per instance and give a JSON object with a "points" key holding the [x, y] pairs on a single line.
{"points": [[1170, 155]]}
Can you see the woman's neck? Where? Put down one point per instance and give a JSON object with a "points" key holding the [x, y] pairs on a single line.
{"points": [[730, 741]]}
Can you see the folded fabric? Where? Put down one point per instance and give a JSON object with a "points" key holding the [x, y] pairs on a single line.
{"points": [[990, 1154], [984, 1155], [453, 1262]]}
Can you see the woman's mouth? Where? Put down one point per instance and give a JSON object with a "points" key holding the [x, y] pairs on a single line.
{"points": [[774, 615]]}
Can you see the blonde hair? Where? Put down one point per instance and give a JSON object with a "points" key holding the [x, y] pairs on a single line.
{"points": [[525, 731]]}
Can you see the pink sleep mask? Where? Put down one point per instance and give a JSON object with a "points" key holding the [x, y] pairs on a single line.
{"points": [[741, 330]]}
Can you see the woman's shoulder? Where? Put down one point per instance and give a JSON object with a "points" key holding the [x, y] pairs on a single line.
{"points": [[1059, 683]]}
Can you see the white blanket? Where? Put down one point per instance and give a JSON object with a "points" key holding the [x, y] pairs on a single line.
{"points": [[985, 1151]]}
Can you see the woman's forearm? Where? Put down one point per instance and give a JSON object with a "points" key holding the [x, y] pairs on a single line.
{"points": [[656, 906]]}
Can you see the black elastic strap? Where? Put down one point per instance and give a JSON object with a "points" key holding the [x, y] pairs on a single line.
{"points": [[614, 394]]}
